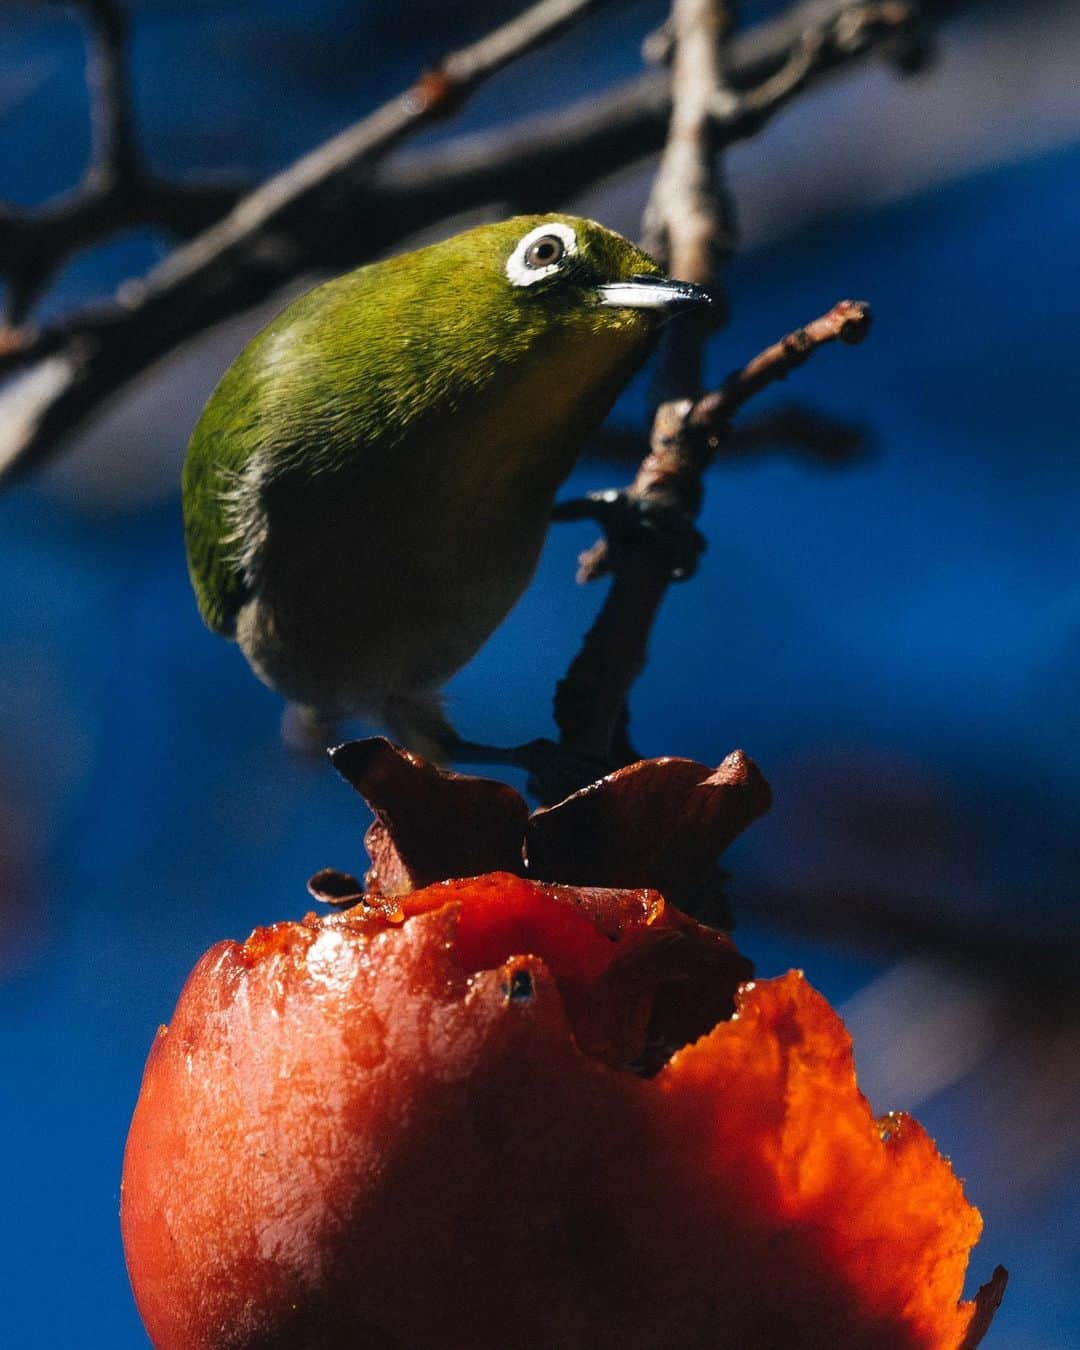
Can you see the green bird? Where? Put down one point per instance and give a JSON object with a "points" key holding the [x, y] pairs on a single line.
{"points": [[368, 488]]}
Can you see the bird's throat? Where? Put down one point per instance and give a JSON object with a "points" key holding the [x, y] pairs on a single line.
{"points": [[528, 430]]}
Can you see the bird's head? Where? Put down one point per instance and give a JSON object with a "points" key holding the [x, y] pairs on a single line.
{"points": [[499, 290], [558, 269], [577, 263]]}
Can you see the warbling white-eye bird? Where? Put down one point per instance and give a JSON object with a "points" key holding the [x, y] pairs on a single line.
{"points": [[367, 491]]}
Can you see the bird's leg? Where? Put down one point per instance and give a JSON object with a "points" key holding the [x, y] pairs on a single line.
{"points": [[630, 521], [416, 720]]}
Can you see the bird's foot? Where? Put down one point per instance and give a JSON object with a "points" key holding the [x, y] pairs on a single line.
{"points": [[631, 521]]}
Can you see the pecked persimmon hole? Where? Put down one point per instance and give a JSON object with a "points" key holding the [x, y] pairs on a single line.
{"points": [[519, 987]]}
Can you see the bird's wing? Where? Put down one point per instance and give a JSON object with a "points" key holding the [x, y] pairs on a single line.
{"points": [[221, 582], [224, 521], [337, 381], [290, 407]]}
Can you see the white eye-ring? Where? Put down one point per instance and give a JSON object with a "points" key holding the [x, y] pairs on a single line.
{"points": [[540, 253]]}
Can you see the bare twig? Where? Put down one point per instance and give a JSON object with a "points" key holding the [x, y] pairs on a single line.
{"points": [[691, 434], [435, 94], [657, 47], [684, 224], [848, 321], [115, 157], [689, 221], [550, 158], [116, 191], [590, 700], [688, 224], [336, 207], [794, 428], [855, 31]]}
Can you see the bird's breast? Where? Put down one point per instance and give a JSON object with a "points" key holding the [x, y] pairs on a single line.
{"points": [[388, 575]]}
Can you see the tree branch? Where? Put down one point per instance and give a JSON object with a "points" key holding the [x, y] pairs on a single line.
{"points": [[335, 207], [116, 192], [792, 428], [685, 223], [706, 420], [689, 220], [689, 225], [115, 156], [590, 700]]}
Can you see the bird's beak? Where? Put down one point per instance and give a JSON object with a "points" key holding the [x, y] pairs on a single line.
{"points": [[653, 292]]}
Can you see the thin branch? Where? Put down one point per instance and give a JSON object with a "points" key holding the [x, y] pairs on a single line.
{"points": [[689, 221], [115, 155], [279, 202], [336, 208], [688, 224], [465, 68], [115, 193], [556, 155], [590, 700], [792, 428], [684, 224], [848, 321], [688, 435], [853, 32]]}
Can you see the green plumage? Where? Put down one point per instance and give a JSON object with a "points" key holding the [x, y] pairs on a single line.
{"points": [[367, 490]]}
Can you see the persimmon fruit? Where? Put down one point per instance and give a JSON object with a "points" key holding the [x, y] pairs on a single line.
{"points": [[498, 1113]]}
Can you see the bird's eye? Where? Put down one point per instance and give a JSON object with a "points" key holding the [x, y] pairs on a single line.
{"points": [[540, 253], [545, 252]]}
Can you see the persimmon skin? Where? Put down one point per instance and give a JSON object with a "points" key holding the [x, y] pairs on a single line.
{"points": [[353, 1137]]}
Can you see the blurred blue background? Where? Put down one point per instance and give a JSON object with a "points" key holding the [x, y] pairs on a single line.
{"points": [[895, 641]]}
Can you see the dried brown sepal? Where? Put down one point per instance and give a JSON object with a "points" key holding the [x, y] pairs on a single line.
{"points": [[660, 823], [388, 874], [987, 1301], [430, 823], [332, 887]]}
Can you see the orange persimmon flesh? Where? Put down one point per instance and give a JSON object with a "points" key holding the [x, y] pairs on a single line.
{"points": [[414, 1126]]}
